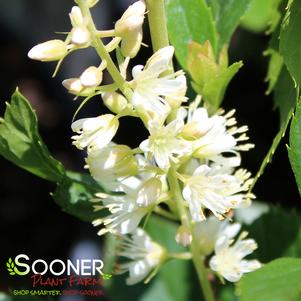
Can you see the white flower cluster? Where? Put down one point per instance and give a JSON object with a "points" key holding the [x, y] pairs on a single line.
{"points": [[203, 150]]}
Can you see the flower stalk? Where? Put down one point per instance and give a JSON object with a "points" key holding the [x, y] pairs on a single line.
{"points": [[157, 23], [157, 20], [159, 36], [101, 50], [194, 248]]}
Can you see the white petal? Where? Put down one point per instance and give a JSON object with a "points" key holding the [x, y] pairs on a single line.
{"points": [[159, 62]]}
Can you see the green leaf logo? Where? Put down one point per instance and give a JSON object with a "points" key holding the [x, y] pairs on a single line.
{"points": [[10, 265], [106, 276]]}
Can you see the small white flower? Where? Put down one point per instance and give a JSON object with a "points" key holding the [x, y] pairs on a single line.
{"points": [[228, 259], [52, 50], [150, 89], [112, 162], [128, 209], [208, 231], [213, 188], [163, 144], [94, 133], [146, 255], [214, 136]]}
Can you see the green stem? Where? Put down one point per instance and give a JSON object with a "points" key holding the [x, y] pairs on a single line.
{"points": [[201, 270], [182, 256], [105, 33], [157, 23], [197, 259], [176, 190], [165, 213], [102, 52]]}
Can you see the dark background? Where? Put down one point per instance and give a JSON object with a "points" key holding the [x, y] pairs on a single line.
{"points": [[30, 222]]}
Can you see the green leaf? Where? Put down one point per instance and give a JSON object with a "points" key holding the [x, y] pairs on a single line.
{"points": [[267, 231], [227, 15], [279, 280], [21, 143], [262, 15], [285, 98], [275, 62], [285, 95], [274, 68], [227, 293], [214, 90], [189, 20], [294, 149], [290, 46], [73, 195]]}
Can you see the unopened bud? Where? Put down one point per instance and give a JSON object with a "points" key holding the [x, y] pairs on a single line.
{"points": [[80, 36], [131, 44], [76, 16], [74, 86], [131, 20], [112, 162], [114, 101], [91, 77], [52, 50], [183, 236]]}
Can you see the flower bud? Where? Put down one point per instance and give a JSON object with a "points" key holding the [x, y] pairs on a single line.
{"points": [[131, 20], [131, 44], [114, 101], [76, 16], [183, 236], [91, 77], [80, 36], [112, 162], [74, 86], [52, 50], [210, 76]]}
